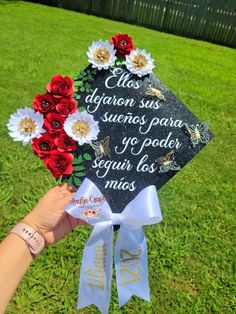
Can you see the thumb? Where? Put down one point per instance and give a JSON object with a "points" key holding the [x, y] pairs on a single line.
{"points": [[65, 195]]}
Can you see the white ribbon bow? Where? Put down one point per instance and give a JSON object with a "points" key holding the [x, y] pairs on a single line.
{"points": [[131, 250]]}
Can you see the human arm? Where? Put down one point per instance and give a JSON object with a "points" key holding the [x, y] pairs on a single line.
{"points": [[51, 221]]}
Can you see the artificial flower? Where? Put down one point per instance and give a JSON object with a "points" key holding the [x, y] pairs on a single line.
{"points": [[66, 106], [139, 62], [89, 214], [44, 103], [25, 124], [65, 143], [101, 54], [54, 122], [123, 45], [60, 86], [82, 127], [43, 145], [59, 163]]}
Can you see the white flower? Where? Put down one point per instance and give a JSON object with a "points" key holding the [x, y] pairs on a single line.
{"points": [[82, 127], [25, 124], [101, 54], [139, 62]]}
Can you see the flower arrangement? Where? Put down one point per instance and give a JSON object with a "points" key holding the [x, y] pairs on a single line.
{"points": [[59, 130], [103, 54]]}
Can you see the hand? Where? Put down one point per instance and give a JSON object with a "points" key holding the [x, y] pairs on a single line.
{"points": [[48, 216]]}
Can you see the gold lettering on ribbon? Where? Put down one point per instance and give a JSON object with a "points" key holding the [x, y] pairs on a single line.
{"points": [[96, 275], [130, 266]]}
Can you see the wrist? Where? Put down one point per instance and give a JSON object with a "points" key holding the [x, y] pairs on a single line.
{"points": [[32, 222], [33, 239]]}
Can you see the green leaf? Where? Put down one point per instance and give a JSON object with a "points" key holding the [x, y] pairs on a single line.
{"points": [[79, 168], [82, 89], [79, 174], [77, 160], [78, 83], [87, 156], [81, 109], [63, 178], [70, 181], [77, 181], [80, 159]]}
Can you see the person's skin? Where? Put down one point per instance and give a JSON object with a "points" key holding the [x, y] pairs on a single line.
{"points": [[51, 221]]}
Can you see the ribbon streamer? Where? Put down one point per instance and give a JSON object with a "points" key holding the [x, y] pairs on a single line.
{"points": [[131, 250]]}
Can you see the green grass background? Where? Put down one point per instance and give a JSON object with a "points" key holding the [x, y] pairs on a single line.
{"points": [[192, 252]]}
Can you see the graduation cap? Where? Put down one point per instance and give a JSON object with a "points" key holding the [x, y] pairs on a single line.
{"points": [[147, 135], [125, 129], [118, 134]]}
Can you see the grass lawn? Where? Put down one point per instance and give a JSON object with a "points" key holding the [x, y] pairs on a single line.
{"points": [[192, 260]]}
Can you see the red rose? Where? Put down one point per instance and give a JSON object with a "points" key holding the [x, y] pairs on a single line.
{"points": [[123, 45], [43, 103], [65, 143], [59, 163], [66, 106], [43, 145], [53, 123], [60, 86]]}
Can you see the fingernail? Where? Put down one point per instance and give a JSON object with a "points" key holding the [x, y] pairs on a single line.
{"points": [[72, 188]]}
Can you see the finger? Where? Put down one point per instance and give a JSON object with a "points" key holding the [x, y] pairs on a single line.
{"points": [[68, 197], [64, 186], [65, 190], [60, 185], [82, 222], [70, 221], [76, 221], [72, 188]]}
